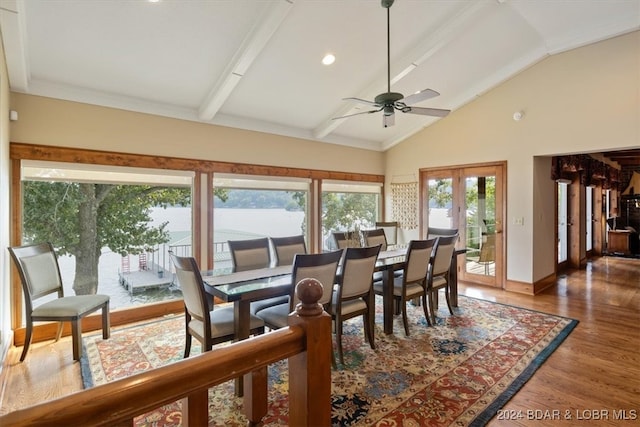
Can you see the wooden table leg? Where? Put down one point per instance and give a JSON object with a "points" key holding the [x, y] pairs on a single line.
{"points": [[242, 323], [453, 281], [387, 300]]}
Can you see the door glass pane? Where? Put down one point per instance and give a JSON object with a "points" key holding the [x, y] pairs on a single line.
{"points": [[440, 203], [562, 222], [589, 218], [480, 227]]}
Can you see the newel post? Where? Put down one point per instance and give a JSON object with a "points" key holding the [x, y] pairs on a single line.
{"points": [[310, 371]]}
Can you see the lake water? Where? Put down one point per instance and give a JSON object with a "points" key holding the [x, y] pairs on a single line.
{"points": [[267, 222]]}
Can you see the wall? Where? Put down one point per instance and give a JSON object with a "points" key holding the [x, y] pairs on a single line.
{"points": [[49, 121], [5, 317], [587, 99]]}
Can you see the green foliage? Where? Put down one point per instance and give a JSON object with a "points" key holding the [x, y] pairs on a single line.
{"points": [[259, 199], [121, 212], [347, 211]]}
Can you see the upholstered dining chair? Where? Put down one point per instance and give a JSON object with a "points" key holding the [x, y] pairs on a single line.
{"points": [[390, 231], [433, 232], [286, 248], [250, 254], [203, 321], [375, 237], [322, 267], [344, 239], [354, 294], [413, 281], [439, 274], [40, 276]]}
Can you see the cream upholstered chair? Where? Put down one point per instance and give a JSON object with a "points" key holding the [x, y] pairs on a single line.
{"points": [[321, 267], [375, 237], [390, 231], [286, 248], [40, 276], [433, 232], [439, 274], [250, 254], [346, 239], [413, 282], [354, 295], [208, 325]]}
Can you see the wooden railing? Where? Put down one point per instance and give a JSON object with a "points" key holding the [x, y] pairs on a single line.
{"points": [[306, 342]]}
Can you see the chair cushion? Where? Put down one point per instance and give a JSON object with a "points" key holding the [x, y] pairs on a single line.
{"points": [[71, 306], [275, 316], [413, 289], [439, 282], [256, 306], [222, 323], [349, 306]]}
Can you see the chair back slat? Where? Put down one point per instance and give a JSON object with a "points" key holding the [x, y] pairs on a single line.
{"points": [[375, 237], [444, 254], [250, 254], [286, 248], [357, 270], [322, 267], [418, 258]]}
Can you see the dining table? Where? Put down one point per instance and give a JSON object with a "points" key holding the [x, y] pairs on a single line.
{"points": [[242, 288]]}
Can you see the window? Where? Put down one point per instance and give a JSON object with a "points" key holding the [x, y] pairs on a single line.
{"points": [[112, 227], [348, 207], [249, 207]]}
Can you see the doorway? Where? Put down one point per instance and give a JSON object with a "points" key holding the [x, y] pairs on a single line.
{"points": [[471, 199]]}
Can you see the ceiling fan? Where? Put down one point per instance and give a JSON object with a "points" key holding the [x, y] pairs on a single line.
{"points": [[389, 101]]}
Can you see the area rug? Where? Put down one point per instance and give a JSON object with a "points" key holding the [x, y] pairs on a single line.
{"points": [[459, 372]]}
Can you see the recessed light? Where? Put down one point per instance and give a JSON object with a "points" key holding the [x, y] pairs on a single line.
{"points": [[328, 59]]}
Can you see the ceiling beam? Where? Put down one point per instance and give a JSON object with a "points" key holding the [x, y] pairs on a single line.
{"points": [[14, 34], [252, 45]]}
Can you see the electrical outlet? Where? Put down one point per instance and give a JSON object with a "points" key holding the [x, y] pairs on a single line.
{"points": [[518, 221]]}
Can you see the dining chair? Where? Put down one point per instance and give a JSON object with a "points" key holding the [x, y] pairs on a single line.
{"points": [[286, 248], [346, 239], [434, 232], [40, 276], [439, 274], [413, 281], [375, 237], [322, 267], [203, 321], [354, 293], [250, 254], [390, 231]]}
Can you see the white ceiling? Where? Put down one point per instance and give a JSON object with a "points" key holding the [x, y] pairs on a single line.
{"points": [[255, 64]]}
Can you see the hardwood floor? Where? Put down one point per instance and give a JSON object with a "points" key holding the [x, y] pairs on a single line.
{"points": [[589, 380]]}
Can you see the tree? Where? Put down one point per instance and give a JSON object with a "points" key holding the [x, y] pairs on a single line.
{"points": [[347, 211], [80, 219]]}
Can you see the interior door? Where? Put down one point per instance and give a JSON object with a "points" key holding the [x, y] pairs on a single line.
{"points": [[470, 199]]}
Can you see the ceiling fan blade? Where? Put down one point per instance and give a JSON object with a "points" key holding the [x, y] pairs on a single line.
{"points": [[436, 112], [423, 95], [356, 114], [362, 101], [388, 120]]}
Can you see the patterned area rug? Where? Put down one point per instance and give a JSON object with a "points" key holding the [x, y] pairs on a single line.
{"points": [[457, 373]]}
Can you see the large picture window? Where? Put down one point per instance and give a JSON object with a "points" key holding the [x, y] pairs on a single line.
{"points": [[348, 207], [112, 227], [250, 207]]}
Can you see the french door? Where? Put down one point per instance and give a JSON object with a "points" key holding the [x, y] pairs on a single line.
{"points": [[471, 199]]}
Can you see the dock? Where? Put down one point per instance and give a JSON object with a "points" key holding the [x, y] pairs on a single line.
{"points": [[138, 281]]}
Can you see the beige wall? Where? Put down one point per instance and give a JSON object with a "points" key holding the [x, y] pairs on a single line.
{"points": [[583, 100], [48, 121], [5, 319]]}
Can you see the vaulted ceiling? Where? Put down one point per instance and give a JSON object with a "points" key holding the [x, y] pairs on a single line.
{"points": [[257, 64]]}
